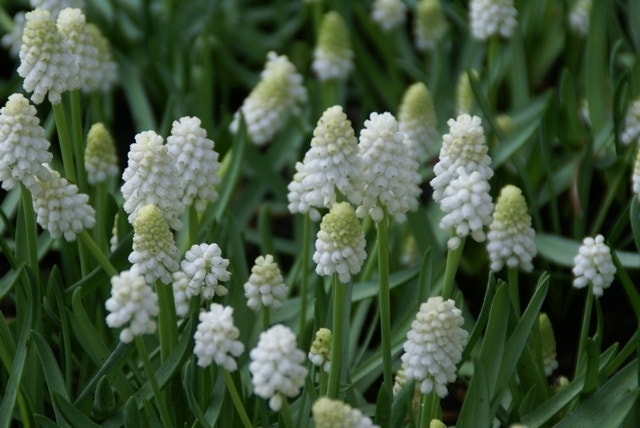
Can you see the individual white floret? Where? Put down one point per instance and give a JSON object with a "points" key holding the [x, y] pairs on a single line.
{"points": [[265, 286], [593, 265], [333, 56], [206, 269], [216, 338], [100, 159], [492, 17], [328, 413], [389, 14], [320, 352]]}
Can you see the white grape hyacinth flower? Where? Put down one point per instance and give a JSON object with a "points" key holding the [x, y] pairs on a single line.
{"points": [[593, 265], [329, 413], [579, 17], [417, 119], [72, 24], [216, 338], [389, 14], [333, 56], [265, 286], [631, 130], [429, 25], [55, 6], [206, 269], [492, 17], [100, 159], [320, 352]]}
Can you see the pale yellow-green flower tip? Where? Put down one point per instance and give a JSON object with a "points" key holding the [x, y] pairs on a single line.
{"points": [[100, 156], [342, 225], [333, 56], [430, 24], [437, 423], [464, 93], [328, 413], [547, 343], [417, 119], [320, 352]]}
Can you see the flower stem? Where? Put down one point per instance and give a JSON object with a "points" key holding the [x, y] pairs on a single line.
{"points": [[66, 146], [266, 317], [336, 337], [77, 139], [235, 397], [427, 404], [385, 306], [30, 226], [97, 253], [512, 276], [285, 413], [167, 321], [584, 331], [453, 260], [157, 393], [304, 281]]}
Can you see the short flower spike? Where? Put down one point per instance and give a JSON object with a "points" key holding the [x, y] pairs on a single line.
{"points": [[216, 338], [593, 265], [333, 56]]}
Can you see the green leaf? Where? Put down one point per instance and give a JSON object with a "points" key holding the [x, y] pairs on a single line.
{"points": [[493, 344], [70, 414], [132, 414], [561, 251], [52, 374], [596, 64], [634, 215], [592, 372], [402, 402], [475, 408]]}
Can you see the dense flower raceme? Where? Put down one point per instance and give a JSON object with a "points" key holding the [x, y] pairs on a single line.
{"points": [[320, 352], [547, 344], [328, 413], [389, 14], [429, 25], [579, 16], [132, 302], [215, 338], [331, 166], [72, 24], [492, 17], [277, 366], [100, 159], [631, 130], [340, 243], [154, 250], [265, 286], [333, 56], [151, 177], [23, 146], [279, 91], [434, 345], [511, 237], [417, 119], [390, 169], [197, 162], [60, 209], [593, 265], [206, 269]]}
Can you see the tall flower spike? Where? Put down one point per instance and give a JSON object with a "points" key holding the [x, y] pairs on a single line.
{"points": [[492, 17], [23, 146], [417, 119], [60, 209], [429, 25], [277, 366], [547, 344], [511, 237], [434, 345], [46, 62], [328, 413], [333, 56], [631, 123], [320, 352], [340, 243], [215, 338], [132, 302], [390, 169], [593, 265], [279, 91], [151, 177], [265, 286], [13, 40], [154, 250], [197, 162], [331, 165], [579, 17], [72, 24], [106, 74], [100, 159], [389, 14], [206, 268]]}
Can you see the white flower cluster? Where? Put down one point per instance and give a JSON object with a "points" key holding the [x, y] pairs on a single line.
{"points": [[579, 17], [333, 56], [511, 237], [206, 268], [197, 162], [277, 366], [154, 250], [417, 119], [23, 146], [100, 159], [215, 338], [389, 14], [265, 286], [434, 345], [60, 209], [593, 265], [332, 164], [429, 25], [631, 130], [492, 17], [132, 302], [340, 243], [328, 413], [72, 25], [55, 6], [320, 352], [390, 169], [280, 90], [547, 344], [461, 182], [105, 75], [179, 283], [151, 177]]}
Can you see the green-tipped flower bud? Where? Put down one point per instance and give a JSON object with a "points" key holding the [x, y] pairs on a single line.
{"points": [[417, 119], [429, 24], [547, 343], [100, 157], [333, 56], [320, 353]]}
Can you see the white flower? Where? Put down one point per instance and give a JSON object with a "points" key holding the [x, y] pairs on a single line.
{"points": [[13, 40], [417, 119], [206, 268], [277, 366], [340, 243], [105, 75], [179, 283], [60, 209], [197, 162], [151, 177], [72, 24], [279, 91], [333, 56], [434, 345], [511, 237], [100, 159], [593, 265], [320, 352], [55, 6], [215, 338], [46, 62], [23, 146], [132, 302], [429, 24], [547, 344], [154, 250], [579, 17], [492, 17], [265, 286], [331, 165], [390, 169], [328, 413], [389, 14], [631, 124]]}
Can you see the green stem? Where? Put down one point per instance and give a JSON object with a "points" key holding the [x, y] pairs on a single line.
{"points": [[427, 403], [324, 381], [385, 306], [584, 331], [453, 260], [266, 317], [151, 375], [78, 139], [235, 397], [512, 276], [285, 413], [31, 229], [66, 145], [97, 253], [167, 321], [336, 338], [304, 281]]}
